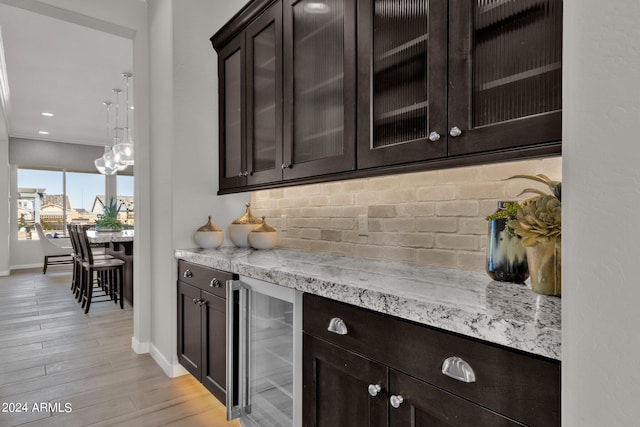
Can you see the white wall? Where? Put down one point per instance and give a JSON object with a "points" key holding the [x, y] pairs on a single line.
{"points": [[184, 159], [601, 203], [5, 200]]}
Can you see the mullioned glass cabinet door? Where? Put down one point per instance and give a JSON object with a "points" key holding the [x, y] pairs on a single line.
{"points": [[402, 81], [320, 93], [505, 74]]}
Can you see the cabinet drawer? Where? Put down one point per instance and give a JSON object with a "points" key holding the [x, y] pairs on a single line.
{"points": [[205, 278], [521, 386]]}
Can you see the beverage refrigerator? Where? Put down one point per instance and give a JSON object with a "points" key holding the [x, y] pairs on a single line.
{"points": [[264, 354]]}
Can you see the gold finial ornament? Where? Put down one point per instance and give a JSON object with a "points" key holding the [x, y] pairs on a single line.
{"points": [[209, 226], [247, 217], [264, 228]]}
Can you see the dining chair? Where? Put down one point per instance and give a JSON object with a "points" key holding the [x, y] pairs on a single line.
{"points": [[53, 254], [102, 274]]}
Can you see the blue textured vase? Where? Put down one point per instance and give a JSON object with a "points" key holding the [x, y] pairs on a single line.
{"points": [[506, 256]]}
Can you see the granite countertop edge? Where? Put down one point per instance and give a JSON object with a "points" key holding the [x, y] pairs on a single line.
{"points": [[466, 303]]}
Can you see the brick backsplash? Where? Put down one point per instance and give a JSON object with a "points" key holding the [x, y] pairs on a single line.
{"points": [[428, 218]]}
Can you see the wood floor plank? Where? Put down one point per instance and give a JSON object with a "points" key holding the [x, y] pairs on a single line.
{"points": [[54, 354]]}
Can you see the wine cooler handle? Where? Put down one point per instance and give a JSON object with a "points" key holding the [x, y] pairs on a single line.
{"points": [[237, 355]]}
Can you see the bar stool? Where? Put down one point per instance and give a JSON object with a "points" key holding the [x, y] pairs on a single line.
{"points": [[77, 260], [109, 275], [98, 254]]}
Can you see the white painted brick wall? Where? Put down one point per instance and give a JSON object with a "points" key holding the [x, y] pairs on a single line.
{"points": [[428, 218]]}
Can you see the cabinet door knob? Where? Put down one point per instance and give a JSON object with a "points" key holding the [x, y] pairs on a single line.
{"points": [[337, 326], [285, 166], [455, 131], [196, 300], [215, 283], [201, 302], [458, 369], [374, 389], [187, 273], [434, 136], [396, 400]]}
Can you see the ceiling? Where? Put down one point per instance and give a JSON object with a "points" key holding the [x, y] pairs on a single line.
{"points": [[58, 62]]}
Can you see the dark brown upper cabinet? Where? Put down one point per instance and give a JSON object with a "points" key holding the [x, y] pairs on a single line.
{"points": [[250, 79], [320, 94], [445, 78], [505, 74], [402, 77], [313, 91]]}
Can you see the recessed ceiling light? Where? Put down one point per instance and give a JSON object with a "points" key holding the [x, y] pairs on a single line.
{"points": [[47, 114], [43, 132]]}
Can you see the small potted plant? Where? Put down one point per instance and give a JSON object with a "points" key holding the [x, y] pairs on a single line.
{"points": [[109, 221], [539, 223]]}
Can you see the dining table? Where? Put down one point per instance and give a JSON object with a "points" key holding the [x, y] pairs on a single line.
{"points": [[118, 244]]}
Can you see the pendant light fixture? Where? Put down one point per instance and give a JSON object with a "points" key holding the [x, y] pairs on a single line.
{"points": [[107, 164], [123, 149], [99, 162]]}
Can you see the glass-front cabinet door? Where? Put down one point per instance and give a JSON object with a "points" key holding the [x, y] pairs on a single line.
{"points": [[320, 92], [264, 97], [402, 81], [250, 85], [232, 113], [505, 74]]}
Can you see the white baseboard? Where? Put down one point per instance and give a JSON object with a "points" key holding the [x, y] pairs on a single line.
{"points": [[4, 273], [25, 266], [172, 370], [139, 347]]}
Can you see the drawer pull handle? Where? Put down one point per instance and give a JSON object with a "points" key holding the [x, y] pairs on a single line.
{"points": [[337, 326], [215, 283], [458, 369], [396, 401], [187, 273], [374, 389]]}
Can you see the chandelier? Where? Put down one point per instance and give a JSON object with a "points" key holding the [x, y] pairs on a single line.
{"points": [[120, 155]]}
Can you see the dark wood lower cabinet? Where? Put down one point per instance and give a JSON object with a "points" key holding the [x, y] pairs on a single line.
{"points": [[202, 325], [424, 405], [403, 363], [335, 387]]}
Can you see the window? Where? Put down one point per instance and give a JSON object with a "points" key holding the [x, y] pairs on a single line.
{"points": [[83, 192], [125, 199], [54, 199]]}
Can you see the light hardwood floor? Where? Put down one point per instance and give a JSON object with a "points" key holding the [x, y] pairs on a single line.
{"points": [[51, 353]]}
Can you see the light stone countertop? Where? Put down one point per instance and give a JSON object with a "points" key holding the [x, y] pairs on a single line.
{"points": [[467, 303]]}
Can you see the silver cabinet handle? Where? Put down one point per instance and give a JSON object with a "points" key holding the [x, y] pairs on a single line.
{"points": [[337, 326], [455, 131], [434, 136], [458, 369], [187, 273], [201, 302], [396, 400], [285, 166], [215, 283], [374, 389], [197, 301]]}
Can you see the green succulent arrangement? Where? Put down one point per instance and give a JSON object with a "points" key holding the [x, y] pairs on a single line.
{"points": [[539, 218], [109, 219]]}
